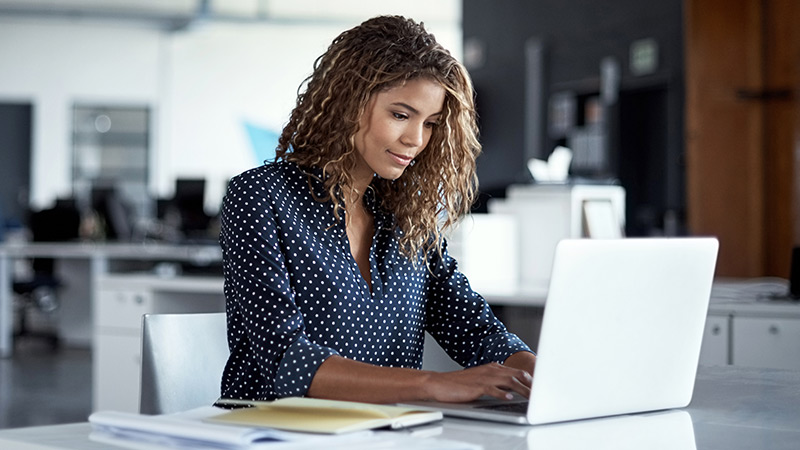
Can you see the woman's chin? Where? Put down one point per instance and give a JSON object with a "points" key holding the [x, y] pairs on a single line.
{"points": [[391, 174]]}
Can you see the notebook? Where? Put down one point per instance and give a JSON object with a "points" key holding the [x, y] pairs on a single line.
{"points": [[322, 416], [621, 333]]}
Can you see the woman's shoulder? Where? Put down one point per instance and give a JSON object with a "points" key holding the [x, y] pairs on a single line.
{"points": [[271, 172], [272, 176]]}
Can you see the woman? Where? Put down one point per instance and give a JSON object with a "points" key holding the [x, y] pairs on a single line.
{"points": [[334, 259]]}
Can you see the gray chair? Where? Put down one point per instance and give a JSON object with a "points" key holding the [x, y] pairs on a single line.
{"points": [[183, 356]]}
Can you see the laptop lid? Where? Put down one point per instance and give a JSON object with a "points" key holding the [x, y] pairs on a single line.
{"points": [[621, 333], [622, 327]]}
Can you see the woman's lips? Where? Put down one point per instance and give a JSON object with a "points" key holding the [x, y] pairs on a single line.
{"points": [[401, 159]]}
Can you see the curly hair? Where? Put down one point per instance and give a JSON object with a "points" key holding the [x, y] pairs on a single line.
{"points": [[381, 53]]}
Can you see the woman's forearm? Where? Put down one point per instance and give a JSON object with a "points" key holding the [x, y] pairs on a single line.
{"points": [[339, 378], [344, 379]]}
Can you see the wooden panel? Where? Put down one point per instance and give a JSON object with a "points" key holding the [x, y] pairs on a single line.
{"points": [[782, 63], [724, 156]]}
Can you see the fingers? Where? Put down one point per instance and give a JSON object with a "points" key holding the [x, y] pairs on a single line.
{"points": [[501, 381], [494, 380], [512, 380], [524, 377]]}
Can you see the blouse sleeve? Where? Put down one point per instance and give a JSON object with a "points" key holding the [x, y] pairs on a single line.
{"points": [[265, 327], [460, 319]]}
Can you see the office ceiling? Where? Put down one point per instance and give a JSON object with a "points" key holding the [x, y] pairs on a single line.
{"points": [[176, 14], [173, 14], [141, 9]]}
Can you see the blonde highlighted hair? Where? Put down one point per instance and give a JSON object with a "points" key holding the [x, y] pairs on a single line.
{"points": [[384, 52]]}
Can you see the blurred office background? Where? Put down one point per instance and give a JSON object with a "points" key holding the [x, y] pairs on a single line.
{"points": [[135, 114], [689, 105], [113, 104]]}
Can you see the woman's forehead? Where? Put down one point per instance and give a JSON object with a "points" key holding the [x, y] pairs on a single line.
{"points": [[424, 95]]}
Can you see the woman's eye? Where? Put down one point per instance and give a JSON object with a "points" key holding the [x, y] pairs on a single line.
{"points": [[431, 124], [400, 116]]}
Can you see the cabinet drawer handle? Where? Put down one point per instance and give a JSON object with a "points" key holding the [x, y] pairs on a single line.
{"points": [[773, 329], [716, 330], [138, 299]]}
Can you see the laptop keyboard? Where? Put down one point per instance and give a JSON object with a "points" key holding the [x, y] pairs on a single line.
{"points": [[512, 407]]}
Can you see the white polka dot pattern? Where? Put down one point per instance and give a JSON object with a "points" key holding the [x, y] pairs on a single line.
{"points": [[295, 296]]}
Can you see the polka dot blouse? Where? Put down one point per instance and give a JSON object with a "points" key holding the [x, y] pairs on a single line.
{"points": [[295, 295]]}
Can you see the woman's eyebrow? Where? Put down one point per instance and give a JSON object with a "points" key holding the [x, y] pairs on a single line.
{"points": [[412, 109]]}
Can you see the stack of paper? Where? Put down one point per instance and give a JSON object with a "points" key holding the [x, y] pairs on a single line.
{"points": [[318, 424], [186, 431]]}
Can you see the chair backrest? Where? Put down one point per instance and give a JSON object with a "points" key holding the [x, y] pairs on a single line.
{"points": [[183, 356]]}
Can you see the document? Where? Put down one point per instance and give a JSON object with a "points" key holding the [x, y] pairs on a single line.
{"points": [[324, 416], [193, 430], [188, 430]]}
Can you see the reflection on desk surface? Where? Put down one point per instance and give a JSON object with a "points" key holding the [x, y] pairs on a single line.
{"points": [[666, 429]]}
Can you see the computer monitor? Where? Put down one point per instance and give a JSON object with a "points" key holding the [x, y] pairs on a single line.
{"points": [[189, 200]]}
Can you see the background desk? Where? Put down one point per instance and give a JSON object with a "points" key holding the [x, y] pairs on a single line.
{"points": [[87, 263], [746, 325], [732, 409], [119, 304]]}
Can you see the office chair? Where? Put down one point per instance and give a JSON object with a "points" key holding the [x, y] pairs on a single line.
{"points": [[40, 291], [183, 356]]}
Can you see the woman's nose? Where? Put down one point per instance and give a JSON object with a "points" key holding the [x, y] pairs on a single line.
{"points": [[414, 135]]}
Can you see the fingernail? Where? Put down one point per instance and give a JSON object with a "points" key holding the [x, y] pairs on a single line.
{"points": [[509, 396]]}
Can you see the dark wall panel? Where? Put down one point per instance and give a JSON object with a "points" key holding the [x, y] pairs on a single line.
{"points": [[15, 151], [576, 35]]}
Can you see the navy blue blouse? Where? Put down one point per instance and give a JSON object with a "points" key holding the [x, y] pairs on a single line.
{"points": [[295, 295]]}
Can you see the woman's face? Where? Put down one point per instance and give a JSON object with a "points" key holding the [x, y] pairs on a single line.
{"points": [[395, 127]]}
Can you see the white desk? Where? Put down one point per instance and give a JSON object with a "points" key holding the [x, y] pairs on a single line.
{"points": [[748, 409], [93, 261]]}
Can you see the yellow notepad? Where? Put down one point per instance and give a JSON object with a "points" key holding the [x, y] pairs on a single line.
{"points": [[323, 416]]}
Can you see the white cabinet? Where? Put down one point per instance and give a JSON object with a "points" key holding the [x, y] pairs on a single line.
{"points": [[120, 303], [716, 338], [122, 309], [748, 327], [766, 342], [117, 358]]}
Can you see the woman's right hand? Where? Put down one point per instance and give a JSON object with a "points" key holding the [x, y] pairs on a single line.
{"points": [[493, 379]]}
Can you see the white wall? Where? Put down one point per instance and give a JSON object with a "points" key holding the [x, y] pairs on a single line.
{"points": [[55, 64], [219, 76], [201, 82]]}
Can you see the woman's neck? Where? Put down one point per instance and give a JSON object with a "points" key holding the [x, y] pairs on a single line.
{"points": [[360, 227], [360, 185], [354, 197]]}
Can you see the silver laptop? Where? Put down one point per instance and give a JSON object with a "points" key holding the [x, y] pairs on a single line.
{"points": [[621, 333]]}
